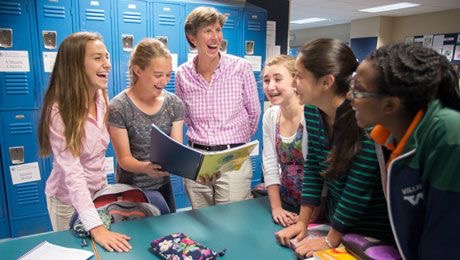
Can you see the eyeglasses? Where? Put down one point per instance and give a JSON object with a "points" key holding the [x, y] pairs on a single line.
{"points": [[353, 93]]}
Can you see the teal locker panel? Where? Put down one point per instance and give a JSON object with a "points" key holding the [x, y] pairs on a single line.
{"points": [[54, 23], [168, 26], [132, 27], [96, 16], [4, 222], [17, 80], [26, 198]]}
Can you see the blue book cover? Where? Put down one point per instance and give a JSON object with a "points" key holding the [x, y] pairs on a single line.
{"points": [[191, 163]]}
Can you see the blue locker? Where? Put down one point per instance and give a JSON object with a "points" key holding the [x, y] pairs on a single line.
{"points": [[54, 24], [169, 28], [26, 199], [17, 79], [132, 27], [231, 29], [96, 16], [254, 44], [4, 223]]}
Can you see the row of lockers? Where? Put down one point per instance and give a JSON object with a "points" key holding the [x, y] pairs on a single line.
{"points": [[30, 34]]}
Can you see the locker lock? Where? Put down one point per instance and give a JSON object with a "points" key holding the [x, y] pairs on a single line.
{"points": [[127, 42], [17, 154], [163, 39], [49, 39], [223, 46], [249, 47], [6, 37]]}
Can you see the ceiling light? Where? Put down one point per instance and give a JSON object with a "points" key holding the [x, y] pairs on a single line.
{"points": [[309, 20], [384, 8]]}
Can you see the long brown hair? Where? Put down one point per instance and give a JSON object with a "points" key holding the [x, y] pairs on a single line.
{"points": [[332, 57], [69, 89]]}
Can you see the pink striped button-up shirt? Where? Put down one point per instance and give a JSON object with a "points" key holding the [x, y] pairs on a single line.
{"points": [[225, 110], [74, 180]]}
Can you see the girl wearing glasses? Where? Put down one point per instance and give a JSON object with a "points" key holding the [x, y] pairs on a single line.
{"points": [[339, 153], [414, 107]]}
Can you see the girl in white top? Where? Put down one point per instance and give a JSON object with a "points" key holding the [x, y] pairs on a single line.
{"points": [[284, 140]]}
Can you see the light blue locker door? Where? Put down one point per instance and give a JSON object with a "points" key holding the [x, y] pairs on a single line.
{"points": [[96, 16], [54, 22], [231, 29], [168, 27], [132, 27], [254, 45], [16, 72], [4, 223], [24, 181]]}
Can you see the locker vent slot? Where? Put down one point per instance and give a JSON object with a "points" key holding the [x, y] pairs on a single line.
{"points": [[128, 79], [165, 19], [54, 11], [132, 17], [10, 8], [27, 193], [20, 128], [171, 86], [254, 26], [16, 83], [229, 24], [95, 14]]}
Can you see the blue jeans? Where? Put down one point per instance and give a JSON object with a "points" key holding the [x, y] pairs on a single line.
{"points": [[163, 198]]}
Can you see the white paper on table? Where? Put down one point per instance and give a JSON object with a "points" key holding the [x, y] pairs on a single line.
{"points": [[46, 251]]}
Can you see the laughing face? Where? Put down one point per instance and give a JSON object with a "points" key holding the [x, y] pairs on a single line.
{"points": [[154, 78], [208, 39], [97, 64], [307, 86], [278, 84]]}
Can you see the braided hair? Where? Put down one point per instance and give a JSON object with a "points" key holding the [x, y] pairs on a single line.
{"points": [[416, 74]]}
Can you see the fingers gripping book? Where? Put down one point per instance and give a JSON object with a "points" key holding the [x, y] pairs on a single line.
{"points": [[191, 163]]}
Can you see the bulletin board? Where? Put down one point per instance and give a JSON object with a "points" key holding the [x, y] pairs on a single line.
{"points": [[446, 44]]}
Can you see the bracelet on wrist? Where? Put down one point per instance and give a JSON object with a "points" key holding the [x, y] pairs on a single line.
{"points": [[328, 243]]}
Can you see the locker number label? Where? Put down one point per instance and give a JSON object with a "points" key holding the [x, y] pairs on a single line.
{"points": [[14, 61], [23, 173]]}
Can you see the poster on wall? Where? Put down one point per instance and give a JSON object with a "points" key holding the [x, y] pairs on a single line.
{"points": [[428, 40]]}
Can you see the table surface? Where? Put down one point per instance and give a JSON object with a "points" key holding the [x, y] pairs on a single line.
{"points": [[245, 229]]}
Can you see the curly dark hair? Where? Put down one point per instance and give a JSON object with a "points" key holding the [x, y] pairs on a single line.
{"points": [[415, 74]]}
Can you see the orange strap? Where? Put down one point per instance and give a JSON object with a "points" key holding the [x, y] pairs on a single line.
{"points": [[381, 135]]}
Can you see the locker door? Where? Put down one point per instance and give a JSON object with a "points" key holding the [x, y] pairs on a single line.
{"points": [[168, 27], [54, 21], [4, 223], [253, 49], [231, 30], [16, 66], [23, 179], [132, 27], [96, 16]]}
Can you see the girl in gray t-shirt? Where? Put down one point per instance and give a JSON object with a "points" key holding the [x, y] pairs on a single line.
{"points": [[134, 110]]}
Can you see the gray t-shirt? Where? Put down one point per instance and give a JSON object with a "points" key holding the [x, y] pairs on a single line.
{"points": [[124, 114]]}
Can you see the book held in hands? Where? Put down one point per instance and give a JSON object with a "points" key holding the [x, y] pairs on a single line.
{"points": [[191, 163]]}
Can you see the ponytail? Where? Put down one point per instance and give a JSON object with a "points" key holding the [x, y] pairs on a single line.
{"points": [[448, 89]]}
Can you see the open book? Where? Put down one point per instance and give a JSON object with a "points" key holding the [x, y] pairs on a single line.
{"points": [[191, 163]]}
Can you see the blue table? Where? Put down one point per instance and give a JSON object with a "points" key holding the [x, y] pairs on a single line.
{"points": [[245, 229]]}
